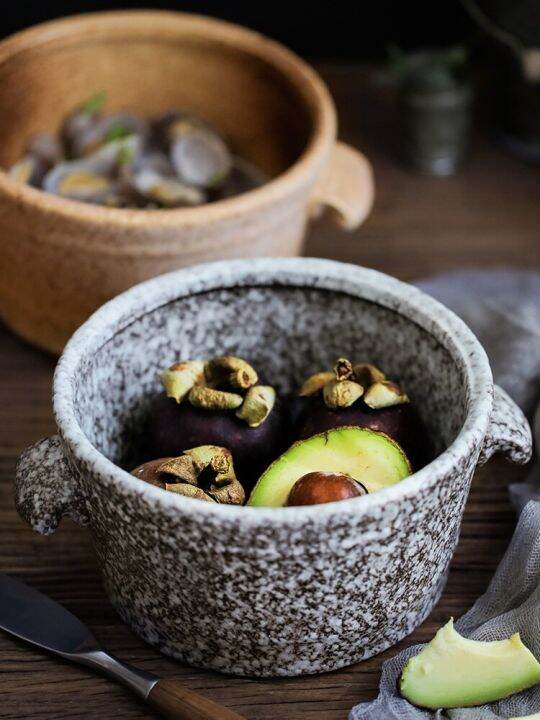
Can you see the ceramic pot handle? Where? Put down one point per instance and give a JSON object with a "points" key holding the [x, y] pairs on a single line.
{"points": [[45, 487], [508, 433], [346, 186]]}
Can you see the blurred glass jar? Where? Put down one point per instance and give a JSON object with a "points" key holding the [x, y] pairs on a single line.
{"points": [[435, 105]]}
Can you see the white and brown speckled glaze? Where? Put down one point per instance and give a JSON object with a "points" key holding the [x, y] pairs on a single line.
{"points": [[276, 591]]}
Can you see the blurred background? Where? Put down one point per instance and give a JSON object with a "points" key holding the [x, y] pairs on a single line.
{"points": [[323, 29], [442, 98], [497, 39], [315, 29]]}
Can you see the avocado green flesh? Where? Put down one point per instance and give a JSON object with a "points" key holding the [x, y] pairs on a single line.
{"points": [[452, 671], [370, 457]]}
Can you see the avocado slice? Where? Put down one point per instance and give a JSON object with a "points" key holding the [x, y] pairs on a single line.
{"points": [[368, 456], [452, 671]]}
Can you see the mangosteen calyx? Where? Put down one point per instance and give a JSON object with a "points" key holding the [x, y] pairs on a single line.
{"points": [[205, 472], [230, 372], [257, 405], [211, 399], [348, 383], [181, 377], [362, 398], [221, 383]]}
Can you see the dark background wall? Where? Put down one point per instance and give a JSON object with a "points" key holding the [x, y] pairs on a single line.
{"points": [[338, 29]]}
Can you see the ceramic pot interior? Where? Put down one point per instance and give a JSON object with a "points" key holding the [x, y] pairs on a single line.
{"points": [[286, 331], [263, 114]]}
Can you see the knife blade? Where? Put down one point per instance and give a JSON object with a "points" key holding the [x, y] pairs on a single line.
{"points": [[37, 619]]}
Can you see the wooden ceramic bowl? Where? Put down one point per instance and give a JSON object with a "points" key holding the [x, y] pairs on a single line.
{"points": [[61, 258]]}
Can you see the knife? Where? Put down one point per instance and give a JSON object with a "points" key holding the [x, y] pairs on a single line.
{"points": [[31, 616]]}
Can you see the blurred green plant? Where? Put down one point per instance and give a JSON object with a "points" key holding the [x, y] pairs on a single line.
{"points": [[430, 70], [94, 104]]}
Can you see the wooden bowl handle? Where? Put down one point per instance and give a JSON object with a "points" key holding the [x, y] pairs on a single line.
{"points": [[346, 186], [173, 701]]}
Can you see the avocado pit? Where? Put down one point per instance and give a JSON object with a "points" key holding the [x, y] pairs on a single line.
{"points": [[324, 467], [316, 488]]}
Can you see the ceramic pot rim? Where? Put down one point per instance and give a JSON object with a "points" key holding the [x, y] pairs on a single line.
{"points": [[310, 87], [364, 283]]}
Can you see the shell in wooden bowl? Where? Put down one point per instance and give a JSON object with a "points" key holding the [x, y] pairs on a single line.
{"points": [[62, 258]]}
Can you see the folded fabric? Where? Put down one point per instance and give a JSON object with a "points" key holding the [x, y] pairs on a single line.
{"points": [[503, 309], [510, 604]]}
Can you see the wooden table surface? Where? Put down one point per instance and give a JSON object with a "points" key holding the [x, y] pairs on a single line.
{"points": [[488, 215]]}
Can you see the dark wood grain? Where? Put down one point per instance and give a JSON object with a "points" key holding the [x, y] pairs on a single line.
{"points": [[488, 215]]}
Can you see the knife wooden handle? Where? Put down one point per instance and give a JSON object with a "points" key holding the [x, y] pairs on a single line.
{"points": [[174, 702]]}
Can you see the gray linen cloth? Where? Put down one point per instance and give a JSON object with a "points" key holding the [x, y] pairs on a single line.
{"points": [[503, 309]]}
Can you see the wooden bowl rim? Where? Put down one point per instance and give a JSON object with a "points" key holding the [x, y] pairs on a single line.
{"points": [[312, 90]]}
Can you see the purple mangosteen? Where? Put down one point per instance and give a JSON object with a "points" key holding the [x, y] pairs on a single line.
{"points": [[360, 395], [220, 402]]}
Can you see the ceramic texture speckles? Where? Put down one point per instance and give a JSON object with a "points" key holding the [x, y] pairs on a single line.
{"points": [[44, 487], [277, 591], [506, 432]]}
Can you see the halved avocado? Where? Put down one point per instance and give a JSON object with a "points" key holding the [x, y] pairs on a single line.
{"points": [[452, 671], [368, 456]]}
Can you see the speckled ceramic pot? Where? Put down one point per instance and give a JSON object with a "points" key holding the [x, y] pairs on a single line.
{"points": [[259, 591]]}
